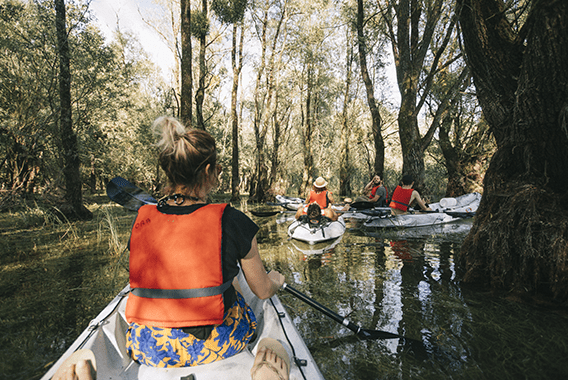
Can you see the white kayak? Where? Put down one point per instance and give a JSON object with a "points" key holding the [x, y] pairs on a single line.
{"points": [[106, 337], [315, 249], [289, 203], [448, 210], [328, 230]]}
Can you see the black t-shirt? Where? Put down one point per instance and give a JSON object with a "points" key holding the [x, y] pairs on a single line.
{"points": [[238, 233]]}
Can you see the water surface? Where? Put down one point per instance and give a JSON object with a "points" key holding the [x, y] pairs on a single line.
{"points": [[400, 281], [406, 282]]}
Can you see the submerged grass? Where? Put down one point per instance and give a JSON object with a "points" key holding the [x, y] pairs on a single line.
{"points": [[43, 257]]}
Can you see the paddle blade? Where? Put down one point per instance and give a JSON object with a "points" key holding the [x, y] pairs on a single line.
{"points": [[362, 205], [265, 213], [365, 334], [127, 194]]}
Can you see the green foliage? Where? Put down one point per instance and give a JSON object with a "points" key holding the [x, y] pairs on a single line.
{"points": [[229, 11], [113, 88], [117, 93], [199, 24]]}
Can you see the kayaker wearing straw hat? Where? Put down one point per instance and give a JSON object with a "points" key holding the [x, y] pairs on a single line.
{"points": [[321, 196]]}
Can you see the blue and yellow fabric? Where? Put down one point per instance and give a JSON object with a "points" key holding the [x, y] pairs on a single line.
{"points": [[171, 347]]}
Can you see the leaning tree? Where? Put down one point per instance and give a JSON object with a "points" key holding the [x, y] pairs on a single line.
{"points": [[517, 52]]}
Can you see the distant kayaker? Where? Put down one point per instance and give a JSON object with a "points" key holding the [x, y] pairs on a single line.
{"points": [[404, 196], [321, 196], [375, 191], [185, 307]]}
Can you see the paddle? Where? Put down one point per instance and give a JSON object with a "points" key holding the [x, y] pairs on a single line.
{"points": [[127, 194], [422, 350], [271, 213], [362, 333], [457, 214]]}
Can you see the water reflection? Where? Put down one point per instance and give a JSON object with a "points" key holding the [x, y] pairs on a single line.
{"points": [[404, 281], [401, 281]]}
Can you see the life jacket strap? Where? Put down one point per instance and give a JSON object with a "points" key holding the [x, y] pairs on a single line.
{"points": [[400, 203], [181, 293]]}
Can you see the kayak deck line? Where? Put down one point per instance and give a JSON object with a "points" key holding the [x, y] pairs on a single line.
{"points": [[106, 337]]}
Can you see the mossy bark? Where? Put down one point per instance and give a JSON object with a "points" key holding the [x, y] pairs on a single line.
{"points": [[519, 241]]}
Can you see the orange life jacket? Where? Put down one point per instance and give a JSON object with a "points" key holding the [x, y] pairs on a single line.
{"points": [[400, 198], [320, 198], [176, 273]]}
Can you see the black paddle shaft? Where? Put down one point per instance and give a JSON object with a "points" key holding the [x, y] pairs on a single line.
{"points": [[362, 333]]}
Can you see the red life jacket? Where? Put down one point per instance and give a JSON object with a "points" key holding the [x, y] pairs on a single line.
{"points": [[400, 198], [374, 192], [176, 273], [320, 198]]}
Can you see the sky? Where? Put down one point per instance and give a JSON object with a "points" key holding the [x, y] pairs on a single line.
{"points": [[107, 12]]}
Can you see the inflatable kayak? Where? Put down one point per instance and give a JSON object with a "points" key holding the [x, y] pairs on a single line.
{"points": [[448, 210], [308, 233], [105, 336]]}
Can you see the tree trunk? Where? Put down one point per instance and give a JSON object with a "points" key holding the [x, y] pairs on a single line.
{"points": [[344, 167], [519, 238], [200, 95], [237, 60], [186, 112], [307, 176], [73, 208], [264, 104], [416, 25], [376, 122], [256, 192]]}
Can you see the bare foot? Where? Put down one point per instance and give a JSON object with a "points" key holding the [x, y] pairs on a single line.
{"points": [[79, 366], [271, 361]]}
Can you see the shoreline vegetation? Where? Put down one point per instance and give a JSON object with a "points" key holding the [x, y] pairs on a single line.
{"points": [[41, 255]]}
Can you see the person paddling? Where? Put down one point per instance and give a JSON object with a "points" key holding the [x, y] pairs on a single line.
{"points": [[404, 196], [185, 308]]}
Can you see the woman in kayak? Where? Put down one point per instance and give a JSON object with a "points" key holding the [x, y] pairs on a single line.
{"points": [[185, 308], [404, 196]]}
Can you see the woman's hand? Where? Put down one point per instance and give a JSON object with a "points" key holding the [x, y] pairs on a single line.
{"points": [[277, 278]]}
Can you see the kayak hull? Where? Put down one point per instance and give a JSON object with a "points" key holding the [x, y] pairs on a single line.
{"points": [[106, 337], [463, 206], [303, 232], [410, 220]]}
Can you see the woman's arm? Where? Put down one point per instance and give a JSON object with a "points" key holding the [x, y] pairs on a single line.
{"points": [[263, 285]]}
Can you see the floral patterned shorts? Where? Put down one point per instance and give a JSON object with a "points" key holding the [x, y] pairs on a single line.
{"points": [[171, 347]]}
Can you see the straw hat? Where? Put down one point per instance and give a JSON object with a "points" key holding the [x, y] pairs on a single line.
{"points": [[320, 182]]}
